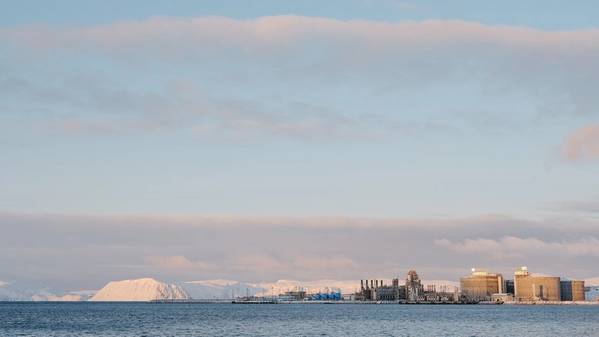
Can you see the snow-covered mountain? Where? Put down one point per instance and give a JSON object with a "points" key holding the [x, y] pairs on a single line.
{"points": [[72, 296], [10, 293], [57, 298], [15, 292], [281, 286], [592, 281], [140, 290], [221, 289]]}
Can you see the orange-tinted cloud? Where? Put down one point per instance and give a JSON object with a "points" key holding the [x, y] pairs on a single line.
{"points": [[582, 144]]}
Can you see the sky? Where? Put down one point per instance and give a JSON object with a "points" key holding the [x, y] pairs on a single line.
{"points": [[259, 140]]}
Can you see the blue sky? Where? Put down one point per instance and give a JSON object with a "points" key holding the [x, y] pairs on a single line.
{"points": [[468, 126], [301, 109]]}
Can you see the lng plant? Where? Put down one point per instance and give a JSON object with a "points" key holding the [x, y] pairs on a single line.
{"points": [[525, 287], [480, 286], [412, 291]]}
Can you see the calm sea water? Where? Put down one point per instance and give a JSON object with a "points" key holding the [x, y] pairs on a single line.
{"points": [[184, 319]]}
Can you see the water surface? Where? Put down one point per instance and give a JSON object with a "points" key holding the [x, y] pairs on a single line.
{"points": [[191, 319]]}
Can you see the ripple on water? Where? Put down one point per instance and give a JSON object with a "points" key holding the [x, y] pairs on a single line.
{"points": [[149, 319]]}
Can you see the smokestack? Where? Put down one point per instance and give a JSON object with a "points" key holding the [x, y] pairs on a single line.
{"points": [[371, 284], [376, 283], [362, 284], [381, 283]]}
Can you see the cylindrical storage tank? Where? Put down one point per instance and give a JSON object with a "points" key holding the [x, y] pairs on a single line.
{"points": [[577, 290]]}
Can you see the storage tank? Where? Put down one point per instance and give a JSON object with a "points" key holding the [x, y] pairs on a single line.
{"points": [[480, 285], [535, 287], [577, 290]]}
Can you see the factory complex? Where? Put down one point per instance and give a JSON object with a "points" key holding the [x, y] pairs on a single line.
{"points": [[480, 286], [412, 291], [483, 286]]}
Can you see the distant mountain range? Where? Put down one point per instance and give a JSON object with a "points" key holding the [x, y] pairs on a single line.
{"points": [[592, 281], [12, 292]]}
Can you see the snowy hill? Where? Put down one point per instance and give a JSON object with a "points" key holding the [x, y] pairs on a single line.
{"points": [[140, 290], [57, 298], [15, 292], [592, 281], [281, 286], [9, 293], [209, 289], [73, 296]]}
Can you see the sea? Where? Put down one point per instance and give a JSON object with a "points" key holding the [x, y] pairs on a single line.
{"points": [[195, 319]]}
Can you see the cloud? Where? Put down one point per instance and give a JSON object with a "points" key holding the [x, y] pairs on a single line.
{"points": [[284, 32], [517, 247], [262, 249], [582, 144], [283, 76], [324, 263], [176, 262], [582, 206], [257, 263], [105, 109]]}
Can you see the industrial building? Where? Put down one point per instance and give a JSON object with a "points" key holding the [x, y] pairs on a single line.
{"points": [[297, 294], [572, 290], [376, 290], [509, 286], [533, 287], [413, 291], [481, 285], [414, 288]]}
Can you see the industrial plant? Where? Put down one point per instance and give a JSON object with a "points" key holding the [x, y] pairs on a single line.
{"points": [[481, 286], [412, 291]]}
